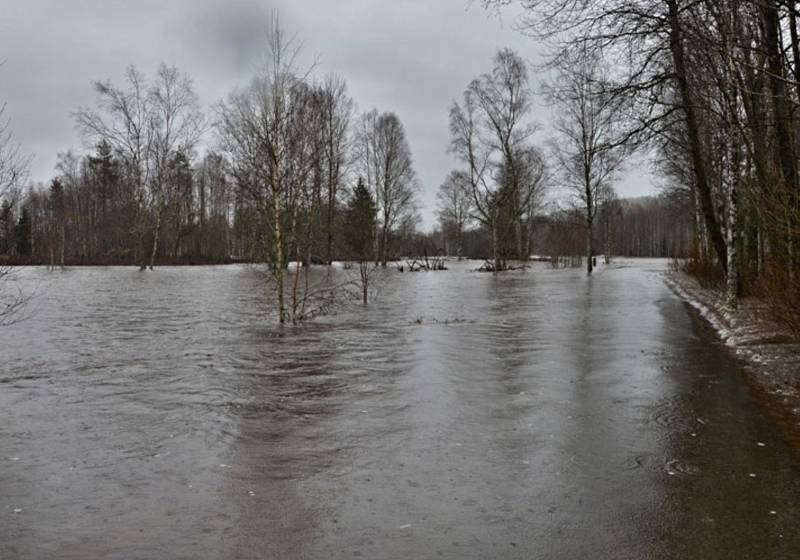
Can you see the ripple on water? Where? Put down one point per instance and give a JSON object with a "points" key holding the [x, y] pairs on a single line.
{"points": [[171, 403], [660, 463], [673, 415]]}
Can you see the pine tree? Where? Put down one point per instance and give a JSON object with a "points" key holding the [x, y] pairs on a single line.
{"points": [[360, 232], [6, 227], [23, 233]]}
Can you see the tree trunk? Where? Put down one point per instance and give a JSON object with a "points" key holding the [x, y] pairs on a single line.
{"points": [[278, 250], [364, 268], [773, 48], [201, 235], [693, 133], [329, 241], [589, 243], [333, 177], [589, 219], [63, 242], [295, 288], [732, 283], [494, 244], [156, 233], [734, 160], [139, 218], [384, 243]]}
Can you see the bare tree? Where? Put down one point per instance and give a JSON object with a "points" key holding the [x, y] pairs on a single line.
{"points": [[586, 149], [387, 165], [146, 125], [454, 206], [337, 113], [258, 130], [124, 119], [177, 124], [13, 172], [532, 183], [489, 131]]}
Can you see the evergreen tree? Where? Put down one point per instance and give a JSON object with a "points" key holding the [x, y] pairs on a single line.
{"points": [[6, 227], [104, 173], [23, 233], [360, 232]]}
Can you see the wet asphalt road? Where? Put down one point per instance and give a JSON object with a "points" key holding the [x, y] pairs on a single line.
{"points": [[534, 415]]}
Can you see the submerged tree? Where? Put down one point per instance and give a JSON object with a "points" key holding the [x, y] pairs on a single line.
{"points": [[454, 206], [360, 233], [587, 151], [13, 171], [490, 131], [388, 169], [259, 127], [336, 111], [177, 126]]}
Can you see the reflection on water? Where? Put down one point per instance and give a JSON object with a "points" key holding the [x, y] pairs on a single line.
{"points": [[532, 415]]}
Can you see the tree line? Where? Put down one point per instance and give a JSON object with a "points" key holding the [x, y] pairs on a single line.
{"points": [[286, 151]]}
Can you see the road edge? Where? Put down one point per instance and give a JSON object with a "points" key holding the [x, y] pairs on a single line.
{"points": [[771, 355]]}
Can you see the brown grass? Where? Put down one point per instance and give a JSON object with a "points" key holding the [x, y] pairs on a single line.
{"points": [[704, 269]]}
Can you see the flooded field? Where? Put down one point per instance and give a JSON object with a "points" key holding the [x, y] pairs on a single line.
{"points": [[538, 414]]}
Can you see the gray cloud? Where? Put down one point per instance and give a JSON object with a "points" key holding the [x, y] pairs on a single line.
{"points": [[412, 57]]}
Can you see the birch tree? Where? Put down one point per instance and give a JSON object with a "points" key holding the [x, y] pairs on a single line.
{"points": [[147, 125], [14, 167], [124, 120], [454, 206], [387, 165], [586, 148], [257, 127], [337, 113], [490, 129], [177, 124]]}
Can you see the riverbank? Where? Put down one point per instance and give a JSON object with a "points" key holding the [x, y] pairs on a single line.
{"points": [[769, 351]]}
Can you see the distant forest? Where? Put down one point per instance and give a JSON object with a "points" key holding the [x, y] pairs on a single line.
{"points": [[88, 218]]}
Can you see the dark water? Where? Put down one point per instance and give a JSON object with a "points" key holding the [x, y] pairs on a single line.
{"points": [[534, 415]]}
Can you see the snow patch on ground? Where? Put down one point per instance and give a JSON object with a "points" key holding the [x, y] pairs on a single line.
{"points": [[769, 350]]}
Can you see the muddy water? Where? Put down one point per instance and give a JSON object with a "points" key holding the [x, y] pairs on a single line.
{"points": [[534, 415]]}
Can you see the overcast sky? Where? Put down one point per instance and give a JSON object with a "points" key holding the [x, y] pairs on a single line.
{"points": [[412, 57]]}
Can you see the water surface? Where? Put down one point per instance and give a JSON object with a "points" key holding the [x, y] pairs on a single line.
{"points": [[538, 414]]}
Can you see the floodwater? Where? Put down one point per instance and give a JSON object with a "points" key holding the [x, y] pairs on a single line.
{"points": [[538, 414]]}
